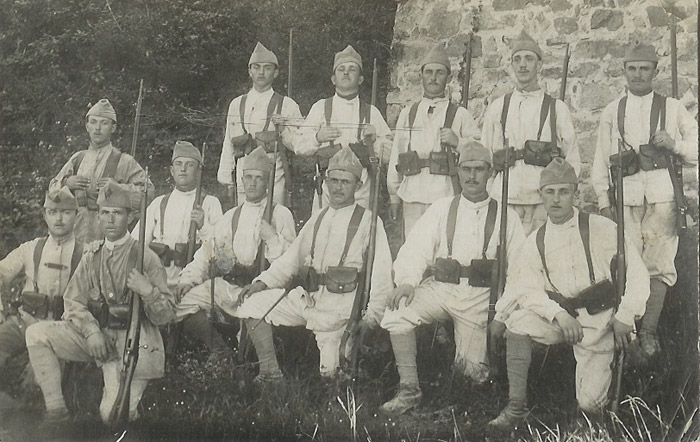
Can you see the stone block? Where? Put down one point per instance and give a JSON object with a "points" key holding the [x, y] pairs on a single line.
{"points": [[585, 69], [508, 5], [599, 48], [657, 16], [594, 3], [559, 5], [565, 25], [491, 60], [606, 18], [595, 96], [551, 72], [457, 46], [441, 21]]}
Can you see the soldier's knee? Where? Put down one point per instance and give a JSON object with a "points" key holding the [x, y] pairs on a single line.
{"points": [[38, 334]]}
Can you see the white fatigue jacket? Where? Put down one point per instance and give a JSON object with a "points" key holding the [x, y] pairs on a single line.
{"points": [[425, 138], [254, 119], [346, 117], [330, 242], [428, 239], [54, 266], [128, 174], [523, 124], [568, 270], [654, 186], [107, 282], [242, 248], [175, 226]]}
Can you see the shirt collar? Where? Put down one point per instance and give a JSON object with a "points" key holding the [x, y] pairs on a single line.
{"points": [[101, 149], [253, 94], [644, 98], [177, 191], [111, 245], [435, 101], [569, 224], [343, 209], [260, 203], [528, 94], [473, 205], [65, 240], [338, 99]]}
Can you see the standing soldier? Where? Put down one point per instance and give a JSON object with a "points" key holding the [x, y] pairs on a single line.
{"points": [[562, 282], [97, 314], [528, 119], [343, 120], [88, 171], [169, 216], [232, 251], [260, 110], [418, 170], [47, 264], [327, 260], [652, 130], [444, 273]]}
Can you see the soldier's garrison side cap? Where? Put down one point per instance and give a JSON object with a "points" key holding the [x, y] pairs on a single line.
{"points": [[559, 171], [346, 160], [638, 51], [114, 195], [526, 43], [60, 199], [262, 55], [347, 54], [258, 160], [437, 55], [473, 151], [102, 108], [186, 149]]}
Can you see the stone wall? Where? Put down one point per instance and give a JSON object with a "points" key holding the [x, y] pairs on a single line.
{"points": [[598, 32]]}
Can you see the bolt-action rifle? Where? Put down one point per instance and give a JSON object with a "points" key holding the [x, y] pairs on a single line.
{"points": [[192, 233]]}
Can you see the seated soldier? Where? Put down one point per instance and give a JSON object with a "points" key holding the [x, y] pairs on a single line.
{"points": [[327, 258], [562, 284], [231, 254], [444, 272], [169, 216], [47, 264], [96, 314]]}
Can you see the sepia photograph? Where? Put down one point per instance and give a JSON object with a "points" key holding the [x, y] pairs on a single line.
{"points": [[349, 220]]}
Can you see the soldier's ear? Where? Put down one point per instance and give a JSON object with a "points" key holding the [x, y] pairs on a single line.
{"points": [[131, 217], [362, 79]]}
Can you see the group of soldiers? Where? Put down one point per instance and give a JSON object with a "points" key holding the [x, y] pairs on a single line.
{"points": [[444, 180]]}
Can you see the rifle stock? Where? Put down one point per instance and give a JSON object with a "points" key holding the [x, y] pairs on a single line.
{"points": [[192, 233], [120, 410]]}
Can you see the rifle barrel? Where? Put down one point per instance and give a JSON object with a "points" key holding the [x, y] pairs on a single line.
{"points": [[674, 57], [137, 119], [564, 74], [374, 83], [192, 233], [290, 63], [467, 70]]}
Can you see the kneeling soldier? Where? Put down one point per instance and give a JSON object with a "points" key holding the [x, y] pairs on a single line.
{"points": [[327, 258], [231, 254], [444, 271], [562, 282], [97, 314], [47, 264]]}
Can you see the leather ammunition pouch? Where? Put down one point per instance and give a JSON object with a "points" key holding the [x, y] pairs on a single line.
{"points": [[409, 163], [241, 275], [40, 306], [340, 279], [267, 138], [361, 151], [180, 254], [111, 316], [447, 270], [243, 145], [652, 157], [439, 164], [629, 161], [164, 252], [308, 279], [499, 159], [596, 298], [482, 272], [323, 154], [540, 153]]}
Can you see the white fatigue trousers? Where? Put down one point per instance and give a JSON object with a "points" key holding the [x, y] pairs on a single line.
{"points": [[324, 313], [67, 344], [652, 229], [199, 298], [465, 306], [594, 354]]}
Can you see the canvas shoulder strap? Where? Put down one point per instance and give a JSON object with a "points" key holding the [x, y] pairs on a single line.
{"points": [[451, 223], [234, 223], [504, 113], [163, 206], [353, 226], [328, 109], [490, 225], [112, 163], [317, 226], [412, 112], [38, 251], [621, 107], [77, 255], [274, 106], [450, 114], [241, 111], [78, 161], [365, 117], [544, 111], [658, 112]]}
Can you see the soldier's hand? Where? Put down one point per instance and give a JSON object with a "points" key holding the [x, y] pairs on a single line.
{"points": [[403, 291], [369, 132], [197, 215], [103, 182], [609, 213], [394, 211], [250, 290], [327, 133], [663, 139], [182, 289], [267, 232], [622, 333], [448, 136], [139, 283], [99, 347], [278, 120], [75, 182], [570, 328]]}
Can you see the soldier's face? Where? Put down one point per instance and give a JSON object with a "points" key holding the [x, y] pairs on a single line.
{"points": [[262, 74], [60, 221], [434, 77], [342, 186], [558, 200], [639, 75], [347, 78], [185, 171], [255, 185], [526, 65], [473, 175], [114, 222], [100, 130]]}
